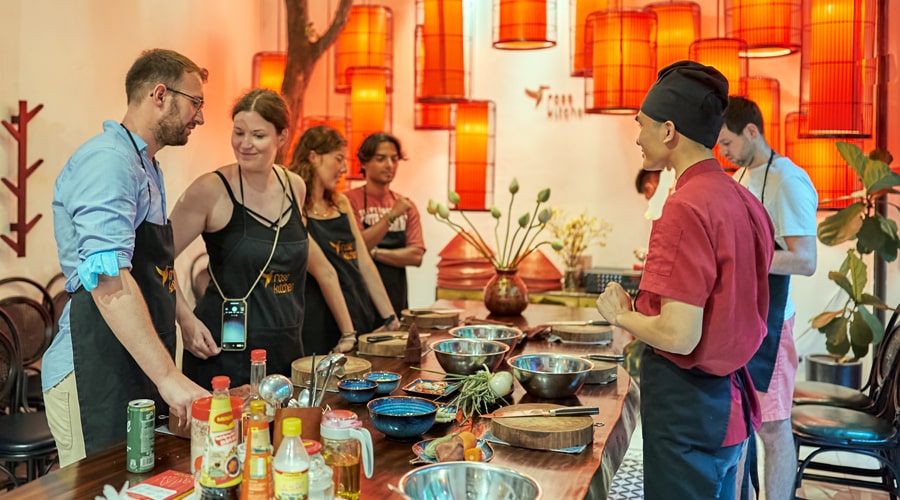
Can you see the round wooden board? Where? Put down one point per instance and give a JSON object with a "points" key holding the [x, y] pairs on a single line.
{"points": [[301, 371], [394, 348], [582, 333], [428, 318], [604, 372], [543, 433]]}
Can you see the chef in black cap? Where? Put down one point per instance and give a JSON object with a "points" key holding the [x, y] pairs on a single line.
{"points": [[703, 295]]}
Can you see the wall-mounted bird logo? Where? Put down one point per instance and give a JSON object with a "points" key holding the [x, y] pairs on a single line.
{"points": [[537, 95], [268, 278]]}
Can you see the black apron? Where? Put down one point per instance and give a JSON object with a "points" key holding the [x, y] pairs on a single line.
{"points": [[394, 278], [685, 417], [106, 375], [320, 330], [275, 308]]}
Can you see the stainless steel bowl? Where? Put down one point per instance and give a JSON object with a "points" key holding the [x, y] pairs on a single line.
{"points": [[549, 375], [465, 480], [467, 356], [509, 335]]}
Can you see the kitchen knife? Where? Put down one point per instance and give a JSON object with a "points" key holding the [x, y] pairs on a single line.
{"points": [[381, 338], [593, 322], [612, 358], [557, 412]]}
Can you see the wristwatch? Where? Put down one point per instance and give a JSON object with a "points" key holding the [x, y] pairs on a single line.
{"points": [[390, 319]]}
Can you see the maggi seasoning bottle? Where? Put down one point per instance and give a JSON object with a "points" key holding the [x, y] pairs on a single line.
{"points": [[220, 477]]}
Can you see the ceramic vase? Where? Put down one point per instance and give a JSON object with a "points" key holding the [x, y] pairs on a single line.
{"points": [[505, 293]]}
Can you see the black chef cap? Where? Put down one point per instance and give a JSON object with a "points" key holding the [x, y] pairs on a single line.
{"points": [[693, 97]]}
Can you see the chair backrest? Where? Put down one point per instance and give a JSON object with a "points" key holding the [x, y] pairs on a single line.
{"points": [[33, 327], [10, 366], [883, 355], [45, 298]]}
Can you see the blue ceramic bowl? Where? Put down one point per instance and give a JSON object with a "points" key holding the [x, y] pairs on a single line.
{"points": [[387, 381], [357, 390], [402, 417]]}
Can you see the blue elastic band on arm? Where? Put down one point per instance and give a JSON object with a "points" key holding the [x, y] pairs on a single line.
{"points": [[99, 263]]}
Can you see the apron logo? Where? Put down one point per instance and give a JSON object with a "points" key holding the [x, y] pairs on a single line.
{"points": [[347, 250], [283, 283], [167, 276]]}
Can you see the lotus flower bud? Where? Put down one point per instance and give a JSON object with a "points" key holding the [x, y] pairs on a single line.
{"points": [[495, 212], [443, 211], [432, 207], [556, 245], [545, 215], [514, 186], [453, 196], [523, 220], [543, 195]]}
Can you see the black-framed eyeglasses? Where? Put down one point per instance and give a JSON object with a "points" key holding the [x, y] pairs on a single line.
{"points": [[196, 101]]}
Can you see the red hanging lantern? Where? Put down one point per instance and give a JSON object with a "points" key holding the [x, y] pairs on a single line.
{"points": [[442, 52], [368, 109], [819, 156], [524, 24], [766, 93], [579, 10], [770, 28], [837, 67], [677, 26], [268, 70], [724, 54], [366, 41], [472, 153], [432, 116], [621, 48]]}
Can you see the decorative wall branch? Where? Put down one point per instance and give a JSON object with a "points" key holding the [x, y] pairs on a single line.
{"points": [[24, 172]]}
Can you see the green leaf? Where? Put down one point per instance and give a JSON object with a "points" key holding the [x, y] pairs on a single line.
{"points": [[824, 318], [888, 250], [860, 336], [879, 176], [858, 274], [876, 329], [854, 157], [836, 340], [842, 226], [871, 300], [870, 236]]}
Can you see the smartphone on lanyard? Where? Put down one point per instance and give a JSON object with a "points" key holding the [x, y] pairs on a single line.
{"points": [[234, 325]]}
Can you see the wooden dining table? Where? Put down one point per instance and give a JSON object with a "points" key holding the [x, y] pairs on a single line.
{"points": [[571, 476]]}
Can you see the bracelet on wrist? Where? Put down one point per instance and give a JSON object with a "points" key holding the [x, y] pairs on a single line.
{"points": [[390, 319], [348, 335]]}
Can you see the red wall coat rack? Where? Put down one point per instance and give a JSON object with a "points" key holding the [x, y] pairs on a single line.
{"points": [[19, 190]]}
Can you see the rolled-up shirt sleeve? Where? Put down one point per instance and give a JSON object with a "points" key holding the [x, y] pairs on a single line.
{"points": [[102, 204]]}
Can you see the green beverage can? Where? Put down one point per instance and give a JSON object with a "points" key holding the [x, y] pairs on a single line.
{"points": [[139, 444]]}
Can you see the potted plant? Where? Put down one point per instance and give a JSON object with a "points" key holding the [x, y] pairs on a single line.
{"points": [[852, 326], [505, 293], [576, 234]]}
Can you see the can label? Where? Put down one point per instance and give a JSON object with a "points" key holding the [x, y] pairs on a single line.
{"points": [[139, 444]]}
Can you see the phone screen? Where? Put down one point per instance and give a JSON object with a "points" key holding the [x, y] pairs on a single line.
{"points": [[234, 325]]}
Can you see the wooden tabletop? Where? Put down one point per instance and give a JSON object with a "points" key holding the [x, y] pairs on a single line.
{"points": [[585, 475]]}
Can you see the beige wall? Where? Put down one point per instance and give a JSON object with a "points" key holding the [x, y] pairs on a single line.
{"points": [[72, 56]]}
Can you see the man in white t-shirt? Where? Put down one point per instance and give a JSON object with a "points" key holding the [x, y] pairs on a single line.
{"points": [[791, 200]]}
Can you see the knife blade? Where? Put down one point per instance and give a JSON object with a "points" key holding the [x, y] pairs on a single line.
{"points": [[381, 338], [556, 412], [593, 322], [612, 358]]}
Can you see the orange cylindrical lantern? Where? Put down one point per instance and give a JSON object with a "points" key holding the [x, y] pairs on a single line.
{"points": [[766, 93], [472, 154], [579, 10], [338, 123], [442, 56], [366, 41], [724, 54], [621, 46], [677, 26], [432, 116], [268, 70], [524, 24], [837, 68], [819, 156], [368, 109], [770, 28]]}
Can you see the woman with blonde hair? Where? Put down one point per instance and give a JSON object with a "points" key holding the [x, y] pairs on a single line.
{"points": [[320, 160], [251, 221]]}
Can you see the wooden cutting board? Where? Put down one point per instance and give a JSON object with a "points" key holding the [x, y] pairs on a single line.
{"points": [[543, 433], [593, 334], [602, 373], [394, 348], [429, 318], [301, 371]]}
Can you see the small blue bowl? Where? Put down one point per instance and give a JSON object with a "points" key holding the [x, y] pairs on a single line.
{"points": [[357, 390], [387, 381], [402, 417]]}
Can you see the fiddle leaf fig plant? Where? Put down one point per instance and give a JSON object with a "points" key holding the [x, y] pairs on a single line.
{"points": [[855, 326]]}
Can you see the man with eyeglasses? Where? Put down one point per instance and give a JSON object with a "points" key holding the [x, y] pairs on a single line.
{"points": [[116, 339], [389, 221]]}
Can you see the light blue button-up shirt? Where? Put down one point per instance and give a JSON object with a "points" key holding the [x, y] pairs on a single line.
{"points": [[104, 192]]}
